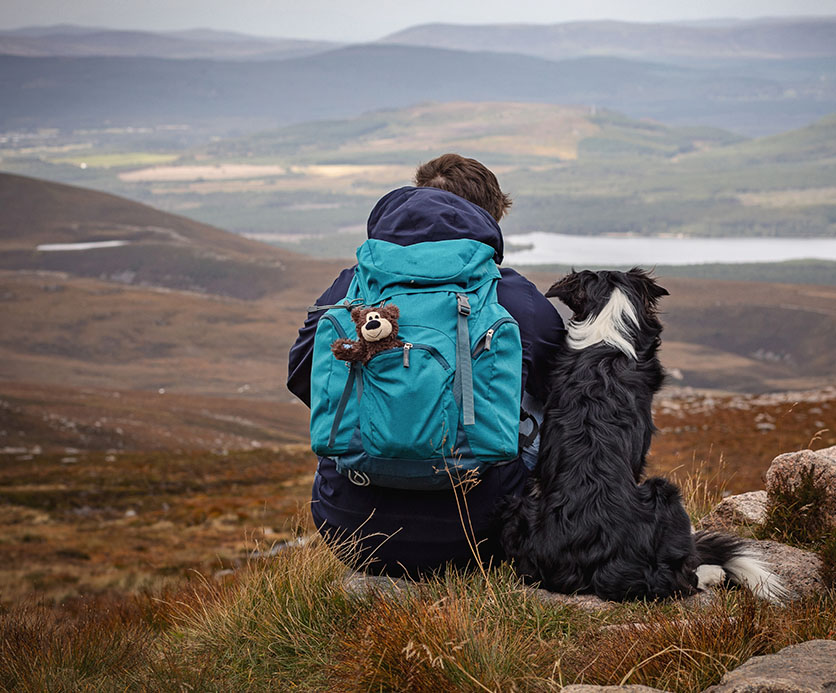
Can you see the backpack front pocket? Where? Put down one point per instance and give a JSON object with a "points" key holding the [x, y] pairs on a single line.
{"points": [[333, 387], [407, 408], [496, 385]]}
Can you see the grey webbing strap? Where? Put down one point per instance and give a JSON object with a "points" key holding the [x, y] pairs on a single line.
{"points": [[357, 368], [348, 305], [343, 403], [463, 382]]}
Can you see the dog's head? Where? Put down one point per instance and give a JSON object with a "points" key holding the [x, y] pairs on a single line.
{"points": [[586, 293]]}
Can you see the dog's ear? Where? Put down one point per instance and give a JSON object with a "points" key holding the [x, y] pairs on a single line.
{"points": [[647, 287], [570, 291]]}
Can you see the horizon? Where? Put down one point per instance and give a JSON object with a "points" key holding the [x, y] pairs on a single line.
{"points": [[372, 20]]}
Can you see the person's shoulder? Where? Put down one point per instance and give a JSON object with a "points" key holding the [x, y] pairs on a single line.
{"points": [[511, 279], [338, 289]]}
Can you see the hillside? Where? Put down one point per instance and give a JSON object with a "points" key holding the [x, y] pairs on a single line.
{"points": [[777, 38], [158, 249], [178, 338]]}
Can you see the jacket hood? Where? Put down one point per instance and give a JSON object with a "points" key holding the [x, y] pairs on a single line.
{"points": [[415, 215]]}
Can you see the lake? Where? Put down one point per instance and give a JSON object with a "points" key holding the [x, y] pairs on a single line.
{"points": [[550, 248]]}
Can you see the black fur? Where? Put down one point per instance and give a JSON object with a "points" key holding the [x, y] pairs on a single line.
{"points": [[588, 523]]}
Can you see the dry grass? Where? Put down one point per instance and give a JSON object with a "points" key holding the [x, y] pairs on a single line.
{"points": [[291, 623], [74, 525]]}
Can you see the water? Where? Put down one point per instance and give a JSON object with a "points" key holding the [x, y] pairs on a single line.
{"points": [[91, 245], [550, 248]]}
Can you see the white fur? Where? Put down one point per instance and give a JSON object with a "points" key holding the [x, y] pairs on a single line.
{"points": [[748, 570], [609, 326], [709, 575]]}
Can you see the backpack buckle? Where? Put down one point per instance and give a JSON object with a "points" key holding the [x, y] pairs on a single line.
{"points": [[463, 304]]}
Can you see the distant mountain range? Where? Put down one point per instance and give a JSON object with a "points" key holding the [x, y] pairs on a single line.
{"points": [[749, 96], [65, 40], [805, 37], [770, 38]]}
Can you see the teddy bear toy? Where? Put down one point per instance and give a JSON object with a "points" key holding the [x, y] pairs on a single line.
{"points": [[377, 330]]}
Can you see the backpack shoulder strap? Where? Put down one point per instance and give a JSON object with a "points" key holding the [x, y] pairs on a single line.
{"points": [[463, 380]]}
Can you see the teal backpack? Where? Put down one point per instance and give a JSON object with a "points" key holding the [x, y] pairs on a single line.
{"points": [[447, 403]]}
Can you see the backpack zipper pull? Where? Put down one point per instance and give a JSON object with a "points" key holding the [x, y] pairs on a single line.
{"points": [[406, 348], [488, 338]]}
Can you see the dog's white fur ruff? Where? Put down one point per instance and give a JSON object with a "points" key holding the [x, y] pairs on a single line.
{"points": [[609, 326]]}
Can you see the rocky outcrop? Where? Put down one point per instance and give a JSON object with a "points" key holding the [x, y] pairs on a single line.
{"points": [[804, 668], [789, 469], [741, 511]]}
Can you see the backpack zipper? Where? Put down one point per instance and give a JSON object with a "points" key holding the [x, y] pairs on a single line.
{"points": [[484, 343], [405, 349]]}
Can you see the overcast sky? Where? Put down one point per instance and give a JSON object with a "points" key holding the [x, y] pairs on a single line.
{"points": [[363, 20]]}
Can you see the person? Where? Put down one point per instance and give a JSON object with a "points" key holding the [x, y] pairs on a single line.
{"points": [[401, 532]]}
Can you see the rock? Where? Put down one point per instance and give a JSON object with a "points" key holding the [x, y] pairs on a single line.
{"points": [[742, 510], [791, 465], [587, 688], [799, 570], [359, 583], [587, 602], [804, 668]]}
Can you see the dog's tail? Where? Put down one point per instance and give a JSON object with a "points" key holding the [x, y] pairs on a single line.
{"points": [[740, 563]]}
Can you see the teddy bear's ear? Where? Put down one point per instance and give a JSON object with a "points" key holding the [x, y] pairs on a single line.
{"points": [[358, 313], [390, 311]]}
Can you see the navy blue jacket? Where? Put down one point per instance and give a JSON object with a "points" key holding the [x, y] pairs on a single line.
{"points": [[425, 519]]}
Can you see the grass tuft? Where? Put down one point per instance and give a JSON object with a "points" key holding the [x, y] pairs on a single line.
{"points": [[796, 510], [827, 553]]}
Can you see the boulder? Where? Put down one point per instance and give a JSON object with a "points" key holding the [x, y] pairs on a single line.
{"points": [[799, 570], [791, 465], [742, 510], [804, 668]]}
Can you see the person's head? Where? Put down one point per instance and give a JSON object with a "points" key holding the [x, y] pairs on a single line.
{"points": [[466, 178]]}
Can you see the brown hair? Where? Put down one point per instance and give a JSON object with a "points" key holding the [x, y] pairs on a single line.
{"points": [[466, 178]]}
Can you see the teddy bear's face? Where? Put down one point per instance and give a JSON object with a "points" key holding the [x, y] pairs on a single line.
{"points": [[375, 327]]}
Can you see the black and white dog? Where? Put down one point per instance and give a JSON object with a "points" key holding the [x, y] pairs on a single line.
{"points": [[588, 522]]}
